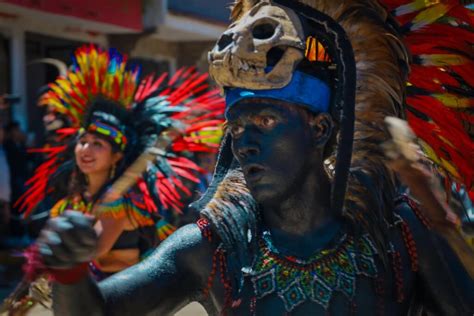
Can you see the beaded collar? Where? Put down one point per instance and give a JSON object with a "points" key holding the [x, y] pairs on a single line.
{"points": [[75, 203], [296, 281]]}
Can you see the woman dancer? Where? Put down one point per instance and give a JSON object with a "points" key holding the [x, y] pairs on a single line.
{"points": [[114, 121]]}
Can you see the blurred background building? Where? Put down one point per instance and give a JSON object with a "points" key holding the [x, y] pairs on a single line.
{"points": [[162, 35]]}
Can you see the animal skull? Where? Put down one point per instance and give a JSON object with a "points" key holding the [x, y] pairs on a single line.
{"points": [[241, 56]]}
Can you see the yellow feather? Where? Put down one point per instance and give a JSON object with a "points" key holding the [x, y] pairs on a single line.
{"points": [[453, 101], [450, 168], [415, 6], [429, 152], [441, 60], [429, 15]]}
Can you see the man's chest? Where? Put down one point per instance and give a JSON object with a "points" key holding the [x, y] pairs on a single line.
{"points": [[345, 279]]}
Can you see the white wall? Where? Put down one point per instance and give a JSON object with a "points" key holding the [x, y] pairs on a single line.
{"points": [[14, 25]]}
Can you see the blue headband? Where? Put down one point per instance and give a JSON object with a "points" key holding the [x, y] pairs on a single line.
{"points": [[303, 89]]}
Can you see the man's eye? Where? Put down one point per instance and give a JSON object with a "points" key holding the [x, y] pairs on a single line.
{"points": [[236, 130], [97, 144], [267, 121]]}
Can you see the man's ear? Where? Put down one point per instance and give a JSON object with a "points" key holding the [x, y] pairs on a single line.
{"points": [[322, 126]]}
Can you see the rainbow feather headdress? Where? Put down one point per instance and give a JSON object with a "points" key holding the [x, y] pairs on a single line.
{"points": [[94, 72], [152, 105]]}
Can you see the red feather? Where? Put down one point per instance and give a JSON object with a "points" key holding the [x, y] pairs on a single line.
{"points": [[443, 127]]}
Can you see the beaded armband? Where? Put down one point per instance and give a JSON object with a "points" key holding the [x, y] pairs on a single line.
{"points": [[205, 228]]}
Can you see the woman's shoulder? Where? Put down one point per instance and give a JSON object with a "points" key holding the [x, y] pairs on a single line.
{"points": [[129, 205]]}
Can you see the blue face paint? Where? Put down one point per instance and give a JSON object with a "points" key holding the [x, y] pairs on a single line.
{"points": [[303, 89]]}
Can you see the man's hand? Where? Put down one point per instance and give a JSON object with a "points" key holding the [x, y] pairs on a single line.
{"points": [[68, 240], [401, 152], [405, 159]]}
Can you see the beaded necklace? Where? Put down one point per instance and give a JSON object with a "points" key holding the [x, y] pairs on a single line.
{"points": [[76, 203], [296, 281]]}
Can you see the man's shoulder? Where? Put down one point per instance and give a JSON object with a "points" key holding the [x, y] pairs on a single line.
{"points": [[189, 240], [410, 212]]}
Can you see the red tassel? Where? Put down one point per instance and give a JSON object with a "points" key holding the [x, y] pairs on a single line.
{"points": [[212, 275], [398, 275], [380, 292], [415, 208], [225, 282], [410, 246]]}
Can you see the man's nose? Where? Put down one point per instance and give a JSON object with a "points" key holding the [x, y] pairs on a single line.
{"points": [[247, 145]]}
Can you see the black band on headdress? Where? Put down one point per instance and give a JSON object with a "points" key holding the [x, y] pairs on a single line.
{"points": [[324, 27]]}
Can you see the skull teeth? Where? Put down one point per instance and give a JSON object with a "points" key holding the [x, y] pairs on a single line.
{"points": [[245, 66], [226, 60], [235, 66]]}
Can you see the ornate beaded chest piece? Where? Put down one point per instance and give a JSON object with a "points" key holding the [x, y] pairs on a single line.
{"points": [[296, 281]]}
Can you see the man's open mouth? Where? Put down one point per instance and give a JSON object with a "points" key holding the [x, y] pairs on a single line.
{"points": [[253, 172]]}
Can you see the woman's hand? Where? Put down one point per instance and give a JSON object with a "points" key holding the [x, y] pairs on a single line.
{"points": [[68, 240]]}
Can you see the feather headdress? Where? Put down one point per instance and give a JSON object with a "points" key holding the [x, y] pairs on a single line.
{"points": [[148, 108], [440, 37], [402, 69]]}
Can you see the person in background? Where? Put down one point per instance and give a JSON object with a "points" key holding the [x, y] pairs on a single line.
{"points": [[6, 102], [15, 146], [5, 188], [17, 156]]}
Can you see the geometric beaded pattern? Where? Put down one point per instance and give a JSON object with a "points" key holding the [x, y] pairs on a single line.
{"points": [[296, 281]]}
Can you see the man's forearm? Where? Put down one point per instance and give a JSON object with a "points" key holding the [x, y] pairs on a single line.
{"points": [[82, 298]]}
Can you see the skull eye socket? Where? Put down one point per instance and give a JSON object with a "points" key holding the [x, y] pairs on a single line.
{"points": [[274, 55], [224, 41], [264, 30]]}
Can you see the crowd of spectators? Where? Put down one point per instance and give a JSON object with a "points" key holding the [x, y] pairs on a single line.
{"points": [[15, 169]]}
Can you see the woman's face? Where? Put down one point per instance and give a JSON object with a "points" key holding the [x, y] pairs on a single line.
{"points": [[94, 155]]}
